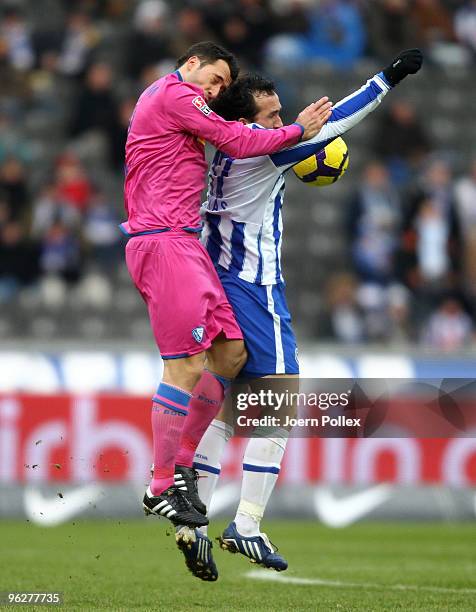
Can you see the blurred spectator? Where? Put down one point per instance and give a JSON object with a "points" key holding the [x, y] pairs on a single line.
{"points": [[68, 51], [119, 136], [432, 239], [45, 83], [18, 260], [435, 33], [49, 208], [245, 31], [374, 219], [190, 28], [449, 328], [465, 25], [116, 9], [430, 258], [47, 45], [238, 38], [153, 72], [399, 328], [149, 42], [259, 18], [372, 300], [96, 108], [15, 31], [290, 16], [15, 88], [72, 183], [79, 40], [433, 22], [401, 140], [390, 27], [97, 8], [5, 213], [60, 253], [14, 187], [100, 232], [215, 13], [12, 144], [465, 196], [382, 313], [343, 320], [335, 36]]}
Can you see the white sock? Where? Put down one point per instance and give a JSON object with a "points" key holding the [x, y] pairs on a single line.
{"points": [[207, 460], [261, 465]]}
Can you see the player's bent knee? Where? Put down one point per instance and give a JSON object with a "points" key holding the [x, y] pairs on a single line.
{"points": [[184, 373], [227, 359]]}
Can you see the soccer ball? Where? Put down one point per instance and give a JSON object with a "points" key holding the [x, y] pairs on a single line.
{"points": [[326, 166]]}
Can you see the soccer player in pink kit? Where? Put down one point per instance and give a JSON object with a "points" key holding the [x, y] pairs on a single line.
{"points": [[188, 309]]}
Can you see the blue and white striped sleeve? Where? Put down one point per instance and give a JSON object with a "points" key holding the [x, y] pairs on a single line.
{"points": [[345, 114]]}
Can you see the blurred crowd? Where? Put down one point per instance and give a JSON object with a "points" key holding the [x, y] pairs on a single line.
{"points": [[412, 252], [70, 72]]}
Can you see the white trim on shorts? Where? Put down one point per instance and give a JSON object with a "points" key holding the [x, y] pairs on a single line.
{"points": [[278, 341]]}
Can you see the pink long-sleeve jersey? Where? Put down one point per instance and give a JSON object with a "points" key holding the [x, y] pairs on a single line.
{"points": [[165, 153]]}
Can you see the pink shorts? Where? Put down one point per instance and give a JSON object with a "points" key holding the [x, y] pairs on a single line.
{"points": [[187, 305]]}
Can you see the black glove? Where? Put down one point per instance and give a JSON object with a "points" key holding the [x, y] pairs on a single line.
{"points": [[407, 62]]}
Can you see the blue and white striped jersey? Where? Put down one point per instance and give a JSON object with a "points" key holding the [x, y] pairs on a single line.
{"points": [[243, 225]]}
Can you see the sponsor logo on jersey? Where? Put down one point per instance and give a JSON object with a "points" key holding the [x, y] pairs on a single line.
{"points": [[197, 334], [202, 106]]}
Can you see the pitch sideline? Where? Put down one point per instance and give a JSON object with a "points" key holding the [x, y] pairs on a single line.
{"points": [[274, 577]]}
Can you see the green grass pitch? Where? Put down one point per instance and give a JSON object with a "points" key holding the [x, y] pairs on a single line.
{"points": [[134, 565]]}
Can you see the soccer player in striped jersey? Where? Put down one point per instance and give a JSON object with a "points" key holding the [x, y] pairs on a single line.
{"points": [[243, 235]]}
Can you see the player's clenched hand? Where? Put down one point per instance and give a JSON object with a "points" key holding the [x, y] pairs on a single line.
{"points": [[407, 62], [313, 117]]}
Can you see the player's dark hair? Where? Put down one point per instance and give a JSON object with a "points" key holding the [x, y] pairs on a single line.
{"points": [[208, 53], [238, 100]]}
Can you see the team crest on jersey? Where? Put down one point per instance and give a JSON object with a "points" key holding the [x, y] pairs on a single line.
{"points": [[197, 334], [202, 106]]}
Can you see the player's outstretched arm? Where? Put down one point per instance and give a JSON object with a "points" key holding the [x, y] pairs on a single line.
{"points": [[352, 109], [239, 141], [190, 113]]}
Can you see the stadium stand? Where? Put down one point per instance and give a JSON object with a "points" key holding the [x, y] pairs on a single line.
{"points": [[70, 72]]}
